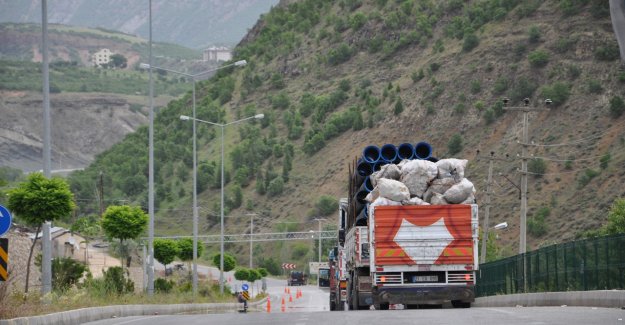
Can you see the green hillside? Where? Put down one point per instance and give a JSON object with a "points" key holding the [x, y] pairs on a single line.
{"points": [[332, 77]]}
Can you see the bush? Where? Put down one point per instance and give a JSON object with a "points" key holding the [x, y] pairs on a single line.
{"points": [[454, 145], [501, 85], [594, 86], [229, 262], [565, 44], [66, 272], [605, 159], [534, 34], [621, 77], [537, 166], [537, 225], [241, 273], [276, 186], [163, 286], [471, 41], [559, 92], [608, 52], [326, 205], [357, 21], [476, 86], [399, 107], [617, 106], [586, 177], [538, 58], [339, 55], [116, 283]]}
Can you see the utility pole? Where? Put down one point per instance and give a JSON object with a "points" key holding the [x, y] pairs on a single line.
{"points": [[319, 232], [46, 243], [251, 238], [486, 225], [101, 194], [524, 157]]}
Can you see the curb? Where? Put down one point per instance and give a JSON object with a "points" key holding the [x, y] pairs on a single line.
{"points": [[93, 314], [598, 298]]}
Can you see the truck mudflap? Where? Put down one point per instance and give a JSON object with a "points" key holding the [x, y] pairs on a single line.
{"points": [[365, 298], [433, 295]]}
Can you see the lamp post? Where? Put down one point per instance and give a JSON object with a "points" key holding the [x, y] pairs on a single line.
{"points": [[193, 77], [221, 237], [319, 234], [251, 235]]}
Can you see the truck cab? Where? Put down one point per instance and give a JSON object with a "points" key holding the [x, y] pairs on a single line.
{"points": [[297, 278]]}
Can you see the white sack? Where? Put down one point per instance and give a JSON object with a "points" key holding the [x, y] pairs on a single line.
{"points": [[459, 192], [390, 171], [438, 199], [382, 201], [416, 174], [392, 189], [469, 200], [438, 185], [373, 195], [414, 201], [451, 167]]}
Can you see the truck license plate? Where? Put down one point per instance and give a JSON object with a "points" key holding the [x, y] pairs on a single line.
{"points": [[425, 278]]}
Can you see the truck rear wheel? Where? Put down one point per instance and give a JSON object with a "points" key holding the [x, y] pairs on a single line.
{"points": [[460, 304], [332, 305]]}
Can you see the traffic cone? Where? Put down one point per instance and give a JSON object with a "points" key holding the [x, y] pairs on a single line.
{"points": [[268, 304], [288, 290], [290, 298], [285, 289], [283, 307]]}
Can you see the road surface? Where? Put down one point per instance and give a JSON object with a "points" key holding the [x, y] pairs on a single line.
{"points": [[508, 316]]}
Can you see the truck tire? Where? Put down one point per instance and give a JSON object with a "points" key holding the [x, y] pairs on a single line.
{"points": [[460, 304], [332, 305], [382, 306]]}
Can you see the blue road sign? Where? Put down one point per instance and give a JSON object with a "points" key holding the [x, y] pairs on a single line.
{"points": [[5, 220], [245, 287]]}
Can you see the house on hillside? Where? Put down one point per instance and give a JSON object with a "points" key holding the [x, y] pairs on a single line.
{"points": [[101, 57], [214, 53]]}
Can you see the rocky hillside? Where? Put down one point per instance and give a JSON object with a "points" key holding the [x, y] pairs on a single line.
{"points": [[195, 24], [332, 77]]}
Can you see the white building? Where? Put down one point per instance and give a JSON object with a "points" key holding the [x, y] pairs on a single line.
{"points": [[214, 53], [101, 57]]}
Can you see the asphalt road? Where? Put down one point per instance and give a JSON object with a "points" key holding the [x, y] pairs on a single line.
{"points": [[508, 316], [617, 13]]}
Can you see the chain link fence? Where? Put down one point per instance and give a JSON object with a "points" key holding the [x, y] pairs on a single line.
{"points": [[588, 264]]}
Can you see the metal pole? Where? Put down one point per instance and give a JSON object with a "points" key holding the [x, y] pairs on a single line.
{"points": [[319, 260], [251, 234], [486, 225], [144, 254], [195, 207], [221, 257], [522, 244], [151, 168], [46, 263]]}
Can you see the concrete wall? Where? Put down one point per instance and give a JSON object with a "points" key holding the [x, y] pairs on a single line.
{"points": [[599, 298]]}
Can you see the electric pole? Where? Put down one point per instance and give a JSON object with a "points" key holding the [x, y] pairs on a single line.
{"points": [[486, 225]]}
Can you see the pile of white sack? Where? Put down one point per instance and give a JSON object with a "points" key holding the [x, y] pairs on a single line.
{"points": [[422, 182]]}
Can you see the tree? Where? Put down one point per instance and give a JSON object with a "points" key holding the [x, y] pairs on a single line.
{"points": [[262, 271], [455, 144], [124, 222], [241, 274], [185, 249], [253, 275], [118, 61], [165, 250], [66, 272], [229, 262], [616, 217], [38, 200]]}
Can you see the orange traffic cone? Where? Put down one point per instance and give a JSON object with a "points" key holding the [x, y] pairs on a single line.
{"points": [[290, 298], [288, 290], [285, 288], [283, 307], [301, 293], [268, 304]]}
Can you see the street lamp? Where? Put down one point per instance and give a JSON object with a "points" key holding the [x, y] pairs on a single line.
{"points": [[319, 221], [194, 78], [221, 238], [251, 235]]}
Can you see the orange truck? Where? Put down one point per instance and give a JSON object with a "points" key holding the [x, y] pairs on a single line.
{"points": [[422, 255]]}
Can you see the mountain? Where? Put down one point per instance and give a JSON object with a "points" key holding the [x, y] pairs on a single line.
{"points": [[332, 77], [191, 23]]}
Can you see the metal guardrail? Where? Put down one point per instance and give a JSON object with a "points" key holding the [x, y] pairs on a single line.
{"points": [[262, 237]]}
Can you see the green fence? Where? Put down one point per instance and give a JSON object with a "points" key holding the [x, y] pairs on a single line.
{"points": [[588, 264]]}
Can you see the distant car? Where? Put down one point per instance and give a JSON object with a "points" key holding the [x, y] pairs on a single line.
{"points": [[296, 278]]}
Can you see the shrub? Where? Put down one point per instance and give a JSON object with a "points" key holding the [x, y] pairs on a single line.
{"points": [[357, 21], [116, 283], [434, 66], [471, 41], [565, 44], [399, 106], [454, 145], [524, 88], [607, 52], [586, 177], [534, 34], [340, 54], [621, 77], [163, 286], [537, 225], [460, 108], [66, 272], [537, 166], [574, 71], [417, 75], [617, 106], [479, 105], [345, 85], [559, 92], [594, 86], [326, 205], [605, 159], [276, 186], [476, 86], [538, 58], [501, 85]]}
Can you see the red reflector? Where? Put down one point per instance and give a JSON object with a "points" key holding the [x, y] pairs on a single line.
{"points": [[467, 277], [382, 279], [379, 269], [468, 267]]}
